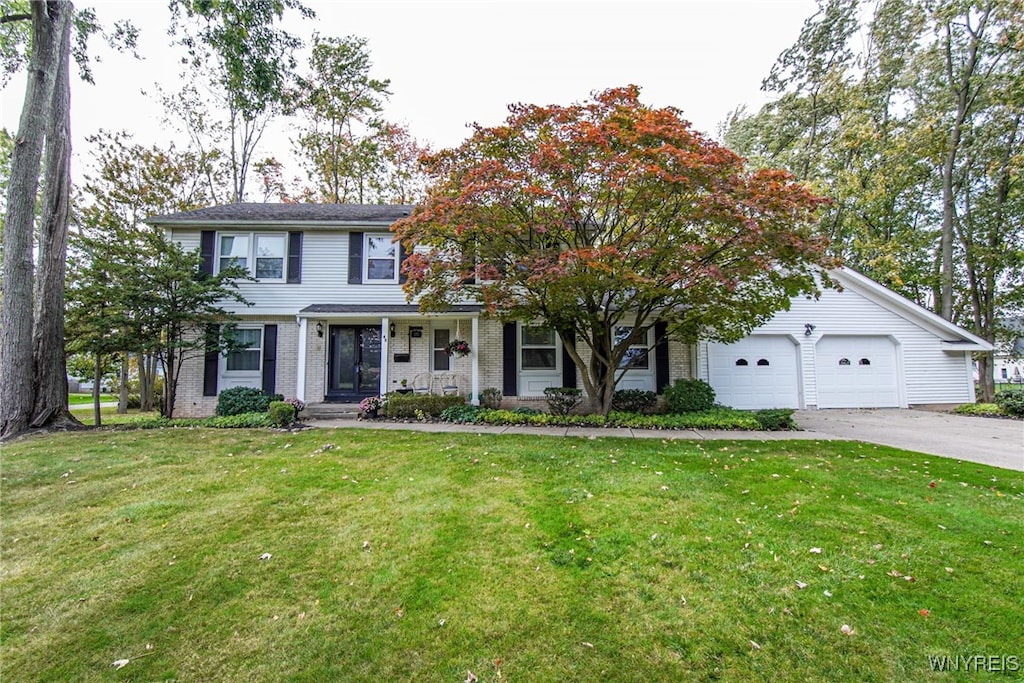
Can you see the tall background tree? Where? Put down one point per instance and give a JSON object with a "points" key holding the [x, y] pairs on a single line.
{"points": [[244, 61], [907, 114], [610, 214], [350, 153]]}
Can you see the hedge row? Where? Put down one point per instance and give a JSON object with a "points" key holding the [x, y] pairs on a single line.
{"points": [[715, 418]]}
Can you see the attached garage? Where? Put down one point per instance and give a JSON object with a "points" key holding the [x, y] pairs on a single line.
{"points": [[760, 371], [857, 372]]}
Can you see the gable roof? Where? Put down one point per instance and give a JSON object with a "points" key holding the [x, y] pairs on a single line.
{"points": [[298, 215], [953, 335]]}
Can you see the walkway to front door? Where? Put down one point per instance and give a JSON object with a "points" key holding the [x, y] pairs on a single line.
{"points": [[353, 362]]}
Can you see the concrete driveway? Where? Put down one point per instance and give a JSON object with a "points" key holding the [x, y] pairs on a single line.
{"points": [[985, 440]]}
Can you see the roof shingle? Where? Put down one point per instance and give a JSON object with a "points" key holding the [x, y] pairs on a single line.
{"points": [[287, 213]]}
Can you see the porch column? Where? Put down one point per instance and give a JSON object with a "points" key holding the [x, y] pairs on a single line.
{"points": [[385, 342], [300, 373], [474, 343]]}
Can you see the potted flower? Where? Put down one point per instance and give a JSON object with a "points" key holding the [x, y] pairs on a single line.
{"points": [[457, 347], [403, 387], [370, 405]]}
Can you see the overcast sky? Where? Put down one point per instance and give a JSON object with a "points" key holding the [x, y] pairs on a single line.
{"points": [[453, 63]]}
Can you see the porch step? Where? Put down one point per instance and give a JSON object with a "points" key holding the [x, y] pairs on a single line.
{"points": [[331, 411]]}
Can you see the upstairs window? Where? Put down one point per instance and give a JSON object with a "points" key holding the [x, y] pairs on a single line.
{"points": [[742, 361], [270, 251], [381, 259], [234, 251], [262, 256]]}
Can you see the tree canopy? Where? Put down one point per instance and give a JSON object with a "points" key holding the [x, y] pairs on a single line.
{"points": [[908, 115], [610, 214]]}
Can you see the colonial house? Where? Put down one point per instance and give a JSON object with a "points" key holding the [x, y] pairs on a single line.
{"points": [[330, 322]]}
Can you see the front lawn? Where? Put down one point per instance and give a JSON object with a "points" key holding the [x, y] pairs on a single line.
{"points": [[342, 555]]}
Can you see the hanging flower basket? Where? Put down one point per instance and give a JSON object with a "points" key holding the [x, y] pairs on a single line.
{"points": [[457, 347]]}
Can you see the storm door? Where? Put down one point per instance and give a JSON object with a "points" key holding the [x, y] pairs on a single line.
{"points": [[353, 362]]}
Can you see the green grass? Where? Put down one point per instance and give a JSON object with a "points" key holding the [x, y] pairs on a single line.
{"points": [[80, 399], [109, 415], [412, 556]]}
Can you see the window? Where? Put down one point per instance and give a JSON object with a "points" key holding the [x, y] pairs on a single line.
{"points": [[1004, 373], [864, 361], [636, 355], [742, 361], [844, 361], [539, 350], [763, 362], [234, 251], [381, 259], [262, 256], [247, 358], [270, 251], [442, 361]]}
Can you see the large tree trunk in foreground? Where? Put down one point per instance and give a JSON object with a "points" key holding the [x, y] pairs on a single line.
{"points": [[17, 373], [50, 363]]}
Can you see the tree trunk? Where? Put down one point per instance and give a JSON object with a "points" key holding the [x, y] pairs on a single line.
{"points": [[122, 396], [97, 379], [146, 381], [17, 372], [986, 383], [50, 366]]}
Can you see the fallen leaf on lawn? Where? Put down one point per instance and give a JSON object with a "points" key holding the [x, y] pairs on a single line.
{"points": [[822, 567], [586, 644], [302, 615], [121, 663], [923, 612], [828, 594], [471, 677], [846, 630], [817, 551], [366, 545], [755, 645], [266, 556], [801, 585], [399, 613], [949, 570], [932, 484], [895, 573], [909, 578]]}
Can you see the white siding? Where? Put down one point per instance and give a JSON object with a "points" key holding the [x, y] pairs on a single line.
{"points": [[324, 278], [929, 373]]}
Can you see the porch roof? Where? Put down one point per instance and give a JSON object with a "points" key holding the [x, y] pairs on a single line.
{"points": [[384, 309]]}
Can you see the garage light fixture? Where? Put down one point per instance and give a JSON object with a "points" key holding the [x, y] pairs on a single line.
{"points": [[319, 329], [808, 329]]}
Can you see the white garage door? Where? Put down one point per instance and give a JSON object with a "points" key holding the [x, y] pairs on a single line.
{"points": [[857, 372], [759, 371]]}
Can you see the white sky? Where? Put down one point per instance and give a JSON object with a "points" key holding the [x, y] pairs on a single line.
{"points": [[453, 63]]}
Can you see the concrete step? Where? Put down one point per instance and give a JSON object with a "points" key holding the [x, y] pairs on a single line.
{"points": [[330, 411]]}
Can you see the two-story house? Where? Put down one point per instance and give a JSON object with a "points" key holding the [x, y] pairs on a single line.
{"points": [[330, 322]]}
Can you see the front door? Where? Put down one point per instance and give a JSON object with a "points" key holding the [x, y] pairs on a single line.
{"points": [[353, 362]]}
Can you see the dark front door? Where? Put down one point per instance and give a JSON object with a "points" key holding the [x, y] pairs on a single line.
{"points": [[353, 362]]}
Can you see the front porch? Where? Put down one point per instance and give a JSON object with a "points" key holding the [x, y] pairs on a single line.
{"points": [[347, 352]]}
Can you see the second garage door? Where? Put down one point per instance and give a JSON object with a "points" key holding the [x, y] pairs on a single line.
{"points": [[759, 371], [857, 372]]}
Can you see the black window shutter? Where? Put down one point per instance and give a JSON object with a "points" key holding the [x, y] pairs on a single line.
{"points": [[510, 379], [211, 361], [294, 257], [269, 358], [207, 248], [568, 366], [355, 258], [660, 356], [402, 277]]}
